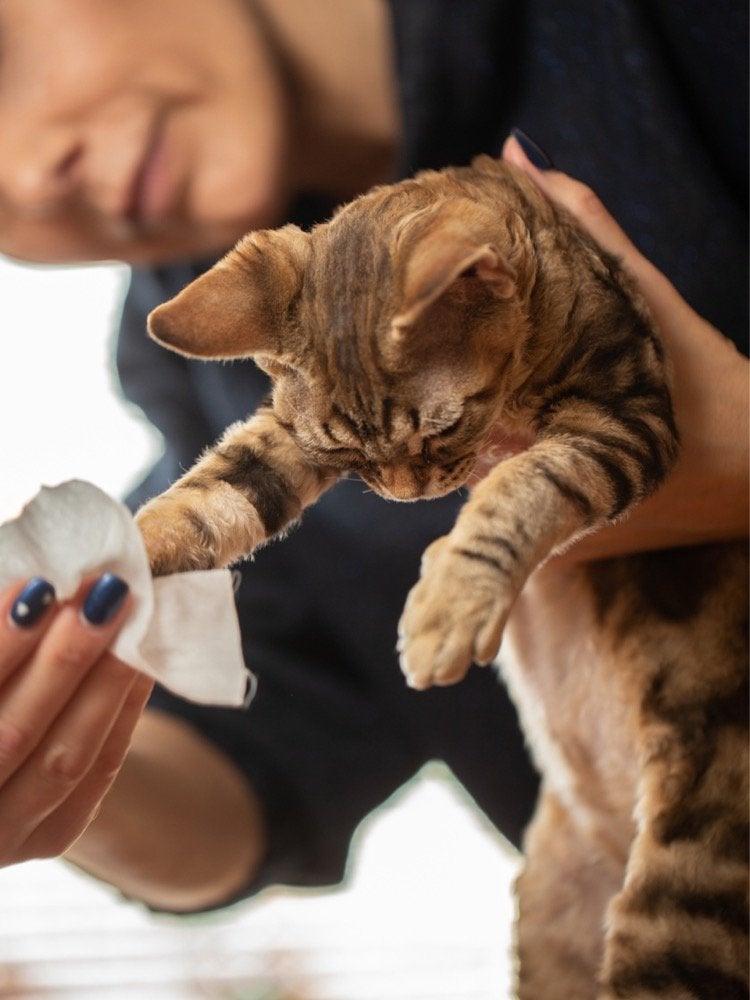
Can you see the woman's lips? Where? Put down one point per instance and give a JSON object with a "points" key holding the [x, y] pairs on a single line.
{"points": [[153, 189]]}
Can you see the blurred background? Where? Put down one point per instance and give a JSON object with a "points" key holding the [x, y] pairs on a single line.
{"points": [[426, 912]]}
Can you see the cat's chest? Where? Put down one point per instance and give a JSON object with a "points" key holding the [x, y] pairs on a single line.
{"points": [[575, 699]]}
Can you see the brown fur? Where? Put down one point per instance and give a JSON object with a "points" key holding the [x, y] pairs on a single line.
{"points": [[397, 336]]}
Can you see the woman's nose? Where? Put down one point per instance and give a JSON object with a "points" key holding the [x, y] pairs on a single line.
{"points": [[37, 180]]}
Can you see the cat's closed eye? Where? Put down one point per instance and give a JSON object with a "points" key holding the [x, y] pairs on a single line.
{"points": [[448, 431]]}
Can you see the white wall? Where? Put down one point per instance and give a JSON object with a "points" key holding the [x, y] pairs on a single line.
{"points": [[60, 417]]}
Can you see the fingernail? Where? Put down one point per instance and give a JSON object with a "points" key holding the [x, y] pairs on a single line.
{"points": [[32, 602], [533, 150], [251, 689], [104, 599]]}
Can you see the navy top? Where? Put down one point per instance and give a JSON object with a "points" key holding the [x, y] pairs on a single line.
{"points": [[646, 102]]}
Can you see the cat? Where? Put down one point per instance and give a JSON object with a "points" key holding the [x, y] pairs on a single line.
{"points": [[397, 336]]}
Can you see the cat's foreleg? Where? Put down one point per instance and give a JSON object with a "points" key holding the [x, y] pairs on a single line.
{"points": [[526, 508], [251, 486]]}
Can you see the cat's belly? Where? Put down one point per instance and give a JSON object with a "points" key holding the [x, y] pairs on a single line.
{"points": [[574, 704]]}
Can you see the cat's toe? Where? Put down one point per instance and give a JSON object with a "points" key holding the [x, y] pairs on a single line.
{"points": [[415, 662], [489, 636], [435, 658], [452, 657], [417, 680], [441, 654]]}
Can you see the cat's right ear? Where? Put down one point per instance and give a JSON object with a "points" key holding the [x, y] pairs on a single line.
{"points": [[236, 308], [438, 248]]}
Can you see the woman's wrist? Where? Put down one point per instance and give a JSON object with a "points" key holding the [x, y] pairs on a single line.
{"points": [[176, 798]]}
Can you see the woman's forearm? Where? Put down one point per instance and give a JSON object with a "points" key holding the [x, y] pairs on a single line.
{"points": [[180, 829]]}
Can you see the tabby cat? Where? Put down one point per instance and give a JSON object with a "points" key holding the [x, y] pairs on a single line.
{"points": [[397, 337]]}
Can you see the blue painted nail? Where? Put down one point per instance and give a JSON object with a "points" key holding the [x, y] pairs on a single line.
{"points": [[533, 150], [32, 602], [104, 599]]}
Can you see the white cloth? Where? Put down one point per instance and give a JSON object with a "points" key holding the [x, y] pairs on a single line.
{"points": [[182, 629]]}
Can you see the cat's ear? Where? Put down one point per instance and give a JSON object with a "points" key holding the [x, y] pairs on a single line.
{"points": [[236, 308], [449, 253]]}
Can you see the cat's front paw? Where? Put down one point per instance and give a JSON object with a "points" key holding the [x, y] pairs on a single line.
{"points": [[454, 615], [173, 541]]}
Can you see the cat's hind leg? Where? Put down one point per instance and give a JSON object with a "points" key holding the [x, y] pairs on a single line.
{"points": [[563, 892], [679, 928]]}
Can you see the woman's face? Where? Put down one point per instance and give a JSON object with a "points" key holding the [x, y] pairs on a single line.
{"points": [[136, 130]]}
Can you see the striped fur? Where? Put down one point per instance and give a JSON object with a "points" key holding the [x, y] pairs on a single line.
{"points": [[399, 337], [634, 697]]}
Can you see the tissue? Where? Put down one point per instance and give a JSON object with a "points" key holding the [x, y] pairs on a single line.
{"points": [[182, 629]]}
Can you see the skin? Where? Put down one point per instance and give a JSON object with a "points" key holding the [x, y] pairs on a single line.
{"points": [[141, 800], [226, 127]]}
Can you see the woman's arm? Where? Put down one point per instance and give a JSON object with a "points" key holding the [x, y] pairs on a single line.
{"points": [[180, 828], [705, 498]]}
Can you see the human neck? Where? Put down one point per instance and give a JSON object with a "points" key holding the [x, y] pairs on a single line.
{"points": [[338, 58]]}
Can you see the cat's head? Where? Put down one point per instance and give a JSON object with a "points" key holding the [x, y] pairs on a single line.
{"points": [[385, 331]]}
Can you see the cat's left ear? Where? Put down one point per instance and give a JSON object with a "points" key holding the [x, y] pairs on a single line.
{"points": [[237, 308], [448, 254]]}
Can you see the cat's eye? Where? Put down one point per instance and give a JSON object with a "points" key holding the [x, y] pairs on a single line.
{"points": [[450, 429], [340, 457]]}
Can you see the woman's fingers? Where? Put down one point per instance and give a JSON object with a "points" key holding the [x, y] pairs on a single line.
{"points": [[579, 200], [67, 711], [586, 206], [25, 614], [53, 834], [66, 753], [33, 696], [682, 328]]}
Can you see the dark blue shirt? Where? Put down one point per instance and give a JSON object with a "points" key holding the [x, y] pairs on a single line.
{"points": [[645, 101]]}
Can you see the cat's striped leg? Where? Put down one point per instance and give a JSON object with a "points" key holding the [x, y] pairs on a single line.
{"points": [[251, 486], [563, 891], [523, 510], [679, 928]]}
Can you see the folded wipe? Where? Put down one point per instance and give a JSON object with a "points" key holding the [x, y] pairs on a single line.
{"points": [[182, 629]]}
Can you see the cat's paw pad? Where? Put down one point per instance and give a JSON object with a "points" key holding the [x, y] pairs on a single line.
{"points": [[453, 616]]}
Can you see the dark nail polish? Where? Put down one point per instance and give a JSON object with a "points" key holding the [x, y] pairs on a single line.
{"points": [[533, 151], [32, 602], [251, 689], [104, 599]]}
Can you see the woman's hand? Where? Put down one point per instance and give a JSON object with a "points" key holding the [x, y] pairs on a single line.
{"points": [[68, 708], [705, 498], [136, 798]]}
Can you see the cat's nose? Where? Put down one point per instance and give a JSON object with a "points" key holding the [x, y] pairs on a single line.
{"points": [[400, 482]]}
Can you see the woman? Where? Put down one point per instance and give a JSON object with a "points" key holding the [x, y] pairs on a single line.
{"points": [[156, 133]]}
